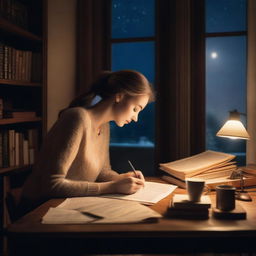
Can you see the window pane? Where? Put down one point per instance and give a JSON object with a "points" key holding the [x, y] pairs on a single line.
{"points": [[225, 88], [137, 56], [133, 18], [225, 15]]}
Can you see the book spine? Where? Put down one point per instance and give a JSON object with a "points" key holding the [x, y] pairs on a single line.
{"points": [[5, 149], [1, 108], [21, 139], [25, 152], [5, 62], [11, 148], [1, 148], [17, 147], [9, 63], [1, 61]]}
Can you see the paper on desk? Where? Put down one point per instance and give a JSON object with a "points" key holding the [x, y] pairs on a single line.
{"points": [[65, 216], [150, 194], [105, 210]]}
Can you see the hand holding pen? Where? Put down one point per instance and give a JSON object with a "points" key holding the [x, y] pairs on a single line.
{"points": [[137, 174], [129, 182]]}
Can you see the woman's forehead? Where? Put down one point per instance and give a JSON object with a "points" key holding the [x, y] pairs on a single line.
{"points": [[139, 99]]}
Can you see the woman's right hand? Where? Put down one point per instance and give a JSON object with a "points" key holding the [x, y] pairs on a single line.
{"points": [[127, 184]]}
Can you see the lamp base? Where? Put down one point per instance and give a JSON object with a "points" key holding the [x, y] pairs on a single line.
{"points": [[243, 196]]}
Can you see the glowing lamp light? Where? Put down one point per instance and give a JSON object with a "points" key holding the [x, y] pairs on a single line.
{"points": [[233, 128]]}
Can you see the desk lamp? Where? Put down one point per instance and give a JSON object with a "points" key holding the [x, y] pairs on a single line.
{"points": [[234, 129]]}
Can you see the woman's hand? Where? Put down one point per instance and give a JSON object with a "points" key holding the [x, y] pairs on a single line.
{"points": [[138, 175], [128, 183]]}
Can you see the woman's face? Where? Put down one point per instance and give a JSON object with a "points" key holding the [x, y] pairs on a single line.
{"points": [[128, 109]]}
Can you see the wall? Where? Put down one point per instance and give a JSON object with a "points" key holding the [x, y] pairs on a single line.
{"points": [[61, 56]]}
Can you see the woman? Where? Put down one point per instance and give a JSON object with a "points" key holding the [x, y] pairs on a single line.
{"points": [[74, 160]]}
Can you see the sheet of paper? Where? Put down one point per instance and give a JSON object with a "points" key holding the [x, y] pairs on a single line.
{"points": [[150, 194], [105, 210], [65, 216]]}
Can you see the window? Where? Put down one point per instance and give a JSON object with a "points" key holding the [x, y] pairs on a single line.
{"points": [[225, 70], [133, 47]]}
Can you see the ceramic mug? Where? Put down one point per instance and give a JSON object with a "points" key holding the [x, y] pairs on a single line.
{"points": [[195, 189]]}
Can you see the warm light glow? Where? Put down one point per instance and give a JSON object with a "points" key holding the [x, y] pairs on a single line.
{"points": [[233, 129], [214, 55]]}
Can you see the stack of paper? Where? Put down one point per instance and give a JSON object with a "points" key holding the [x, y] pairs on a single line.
{"points": [[110, 210], [99, 210], [207, 162], [207, 165]]}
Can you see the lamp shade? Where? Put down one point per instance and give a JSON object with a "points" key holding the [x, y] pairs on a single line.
{"points": [[233, 129]]}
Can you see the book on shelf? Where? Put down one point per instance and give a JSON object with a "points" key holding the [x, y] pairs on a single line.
{"points": [[17, 64], [1, 108], [18, 147], [23, 114], [14, 11]]}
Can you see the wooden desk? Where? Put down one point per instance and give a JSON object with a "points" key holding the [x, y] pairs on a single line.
{"points": [[166, 236]]}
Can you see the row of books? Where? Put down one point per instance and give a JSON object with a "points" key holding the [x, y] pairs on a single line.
{"points": [[7, 111], [18, 147], [15, 12], [20, 65], [213, 167]]}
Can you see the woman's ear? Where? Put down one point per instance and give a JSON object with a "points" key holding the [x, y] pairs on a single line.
{"points": [[119, 97]]}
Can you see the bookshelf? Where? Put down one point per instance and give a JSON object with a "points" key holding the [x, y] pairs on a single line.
{"points": [[22, 93]]}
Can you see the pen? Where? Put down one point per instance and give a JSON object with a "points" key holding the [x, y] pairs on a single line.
{"points": [[133, 168]]}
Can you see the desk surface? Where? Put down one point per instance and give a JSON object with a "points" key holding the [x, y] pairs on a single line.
{"points": [[165, 236]]}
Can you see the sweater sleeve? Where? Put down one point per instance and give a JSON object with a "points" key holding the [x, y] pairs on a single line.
{"points": [[107, 174], [58, 154]]}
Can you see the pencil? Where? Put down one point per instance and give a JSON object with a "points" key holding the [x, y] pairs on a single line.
{"points": [[133, 168]]}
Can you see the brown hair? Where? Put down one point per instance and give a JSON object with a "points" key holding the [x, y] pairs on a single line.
{"points": [[109, 83]]}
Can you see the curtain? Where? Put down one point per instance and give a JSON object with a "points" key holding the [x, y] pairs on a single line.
{"points": [[92, 43], [251, 83], [180, 114]]}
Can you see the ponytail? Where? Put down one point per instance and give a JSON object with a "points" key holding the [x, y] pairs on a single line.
{"points": [[85, 99], [97, 88]]}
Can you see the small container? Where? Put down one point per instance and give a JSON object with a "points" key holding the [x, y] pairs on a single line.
{"points": [[195, 189], [225, 197]]}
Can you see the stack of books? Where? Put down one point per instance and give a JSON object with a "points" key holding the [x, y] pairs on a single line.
{"points": [[181, 207], [213, 167]]}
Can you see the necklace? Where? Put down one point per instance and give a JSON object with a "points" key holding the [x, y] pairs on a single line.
{"points": [[99, 132]]}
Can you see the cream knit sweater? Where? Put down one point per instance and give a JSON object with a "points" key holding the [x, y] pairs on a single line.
{"points": [[73, 157]]}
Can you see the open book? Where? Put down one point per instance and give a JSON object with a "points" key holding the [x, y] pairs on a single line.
{"points": [[209, 163]]}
